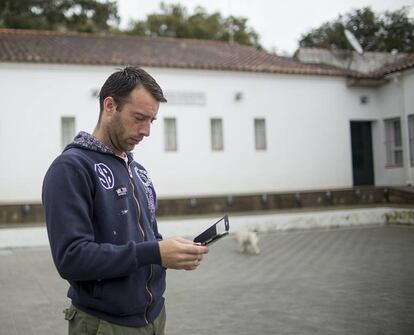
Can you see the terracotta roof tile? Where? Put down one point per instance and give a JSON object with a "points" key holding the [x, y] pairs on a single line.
{"points": [[30, 46], [400, 65]]}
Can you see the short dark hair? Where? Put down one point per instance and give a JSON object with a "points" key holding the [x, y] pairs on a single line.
{"points": [[122, 82]]}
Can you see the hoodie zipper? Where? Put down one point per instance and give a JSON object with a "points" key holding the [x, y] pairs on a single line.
{"points": [[143, 235], [150, 294], [136, 201]]}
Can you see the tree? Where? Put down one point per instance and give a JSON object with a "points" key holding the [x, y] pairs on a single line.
{"points": [[175, 21], [388, 31], [63, 15]]}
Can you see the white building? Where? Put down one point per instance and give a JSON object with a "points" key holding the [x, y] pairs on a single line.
{"points": [[238, 121]]}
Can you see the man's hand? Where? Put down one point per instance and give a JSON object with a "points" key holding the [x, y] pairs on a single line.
{"points": [[179, 253]]}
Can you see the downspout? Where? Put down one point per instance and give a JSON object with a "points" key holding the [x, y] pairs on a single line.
{"points": [[398, 79]]}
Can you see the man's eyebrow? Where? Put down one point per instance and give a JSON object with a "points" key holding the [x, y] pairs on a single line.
{"points": [[144, 115], [140, 114]]}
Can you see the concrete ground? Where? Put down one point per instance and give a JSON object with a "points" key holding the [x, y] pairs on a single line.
{"points": [[318, 281]]}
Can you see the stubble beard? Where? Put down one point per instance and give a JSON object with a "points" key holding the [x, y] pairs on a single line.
{"points": [[117, 136]]}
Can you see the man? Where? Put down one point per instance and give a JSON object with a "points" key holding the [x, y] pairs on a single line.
{"points": [[100, 214]]}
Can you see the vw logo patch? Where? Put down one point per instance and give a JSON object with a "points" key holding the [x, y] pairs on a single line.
{"points": [[105, 175]]}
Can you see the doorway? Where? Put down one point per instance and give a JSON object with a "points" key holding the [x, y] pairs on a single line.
{"points": [[362, 157]]}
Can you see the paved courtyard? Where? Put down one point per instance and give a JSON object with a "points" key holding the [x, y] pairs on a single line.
{"points": [[338, 281]]}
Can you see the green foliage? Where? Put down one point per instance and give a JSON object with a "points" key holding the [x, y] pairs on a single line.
{"points": [[175, 21], [388, 31], [102, 16], [62, 15]]}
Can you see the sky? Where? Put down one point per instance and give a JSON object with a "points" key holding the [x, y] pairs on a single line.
{"points": [[279, 24]]}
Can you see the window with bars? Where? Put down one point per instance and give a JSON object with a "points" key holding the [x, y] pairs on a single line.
{"points": [[260, 134], [411, 137], [67, 125], [216, 134], [393, 142], [170, 134]]}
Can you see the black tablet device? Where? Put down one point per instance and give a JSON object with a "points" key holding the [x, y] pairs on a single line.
{"points": [[214, 232]]}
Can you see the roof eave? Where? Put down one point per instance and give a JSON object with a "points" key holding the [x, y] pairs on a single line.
{"points": [[276, 70], [366, 81]]}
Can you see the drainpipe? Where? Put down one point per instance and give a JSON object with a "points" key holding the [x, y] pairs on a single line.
{"points": [[398, 79]]}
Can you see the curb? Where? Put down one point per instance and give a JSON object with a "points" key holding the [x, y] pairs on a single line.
{"points": [[261, 223]]}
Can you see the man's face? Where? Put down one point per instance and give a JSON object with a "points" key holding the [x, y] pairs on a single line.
{"points": [[129, 125]]}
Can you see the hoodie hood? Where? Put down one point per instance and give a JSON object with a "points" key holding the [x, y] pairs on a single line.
{"points": [[90, 142]]}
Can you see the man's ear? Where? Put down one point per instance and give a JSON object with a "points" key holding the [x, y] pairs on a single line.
{"points": [[109, 106]]}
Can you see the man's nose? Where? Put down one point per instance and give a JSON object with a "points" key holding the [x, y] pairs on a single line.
{"points": [[145, 130]]}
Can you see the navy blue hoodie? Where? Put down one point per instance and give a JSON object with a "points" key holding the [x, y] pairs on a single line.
{"points": [[100, 217]]}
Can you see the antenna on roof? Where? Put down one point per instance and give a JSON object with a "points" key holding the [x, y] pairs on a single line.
{"points": [[355, 45], [353, 41]]}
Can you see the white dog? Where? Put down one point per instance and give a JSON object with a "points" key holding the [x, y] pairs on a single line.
{"points": [[248, 241]]}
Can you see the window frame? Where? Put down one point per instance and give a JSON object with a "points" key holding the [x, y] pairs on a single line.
{"points": [[67, 135], [410, 121], [170, 134], [260, 136], [217, 134], [392, 148]]}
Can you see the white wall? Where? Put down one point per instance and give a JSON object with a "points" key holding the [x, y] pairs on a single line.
{"points": [[35, 97], [307, 121], [408, 84], [395, 100], [307, 134]]}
